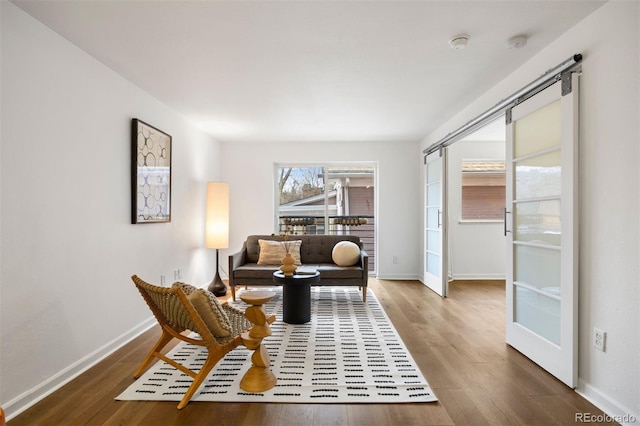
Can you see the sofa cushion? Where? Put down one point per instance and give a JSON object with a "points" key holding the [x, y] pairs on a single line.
{"points": [[330, 271], [253, 270], [345, 253], [272, 252]]}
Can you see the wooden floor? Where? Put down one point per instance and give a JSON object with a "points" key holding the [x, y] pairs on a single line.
{"points": [[457, 342]]}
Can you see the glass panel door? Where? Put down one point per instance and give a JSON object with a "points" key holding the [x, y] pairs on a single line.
{"points": [[542, 256], [328, 198], [435, 257]]}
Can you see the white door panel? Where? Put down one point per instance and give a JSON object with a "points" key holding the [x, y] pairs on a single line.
{"points": [[435, 238], [542, 285]]}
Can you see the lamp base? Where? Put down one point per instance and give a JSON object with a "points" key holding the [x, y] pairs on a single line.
{"points": [[217, 287]]}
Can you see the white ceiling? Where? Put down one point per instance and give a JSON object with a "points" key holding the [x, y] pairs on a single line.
{"points": [[252, 71]]}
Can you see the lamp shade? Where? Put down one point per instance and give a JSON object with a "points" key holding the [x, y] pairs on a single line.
{"points": [[217, 226]]}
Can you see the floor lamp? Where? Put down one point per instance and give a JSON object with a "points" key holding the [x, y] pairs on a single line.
{"points": [[217, 228]]}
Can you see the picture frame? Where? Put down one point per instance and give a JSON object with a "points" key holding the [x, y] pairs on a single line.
{"points": [[150, 174]]}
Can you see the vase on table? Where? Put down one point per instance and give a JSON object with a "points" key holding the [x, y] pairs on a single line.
{"points": [[288, 267]]}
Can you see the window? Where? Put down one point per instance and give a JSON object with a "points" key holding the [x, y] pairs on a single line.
{"points": [[483, 190], [327, 199]]}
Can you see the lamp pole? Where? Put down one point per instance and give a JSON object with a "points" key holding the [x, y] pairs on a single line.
{"points": [[216, 286]]}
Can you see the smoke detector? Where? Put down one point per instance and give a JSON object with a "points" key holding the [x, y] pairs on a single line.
{"points": [[517, 42], [459, 42]]}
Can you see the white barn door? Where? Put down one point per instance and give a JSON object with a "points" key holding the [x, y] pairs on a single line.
{"points": [[435, 234], [541, 224]]}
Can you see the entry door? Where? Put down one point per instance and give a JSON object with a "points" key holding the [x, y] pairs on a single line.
{"points": [[542, 230], [435, 259]]}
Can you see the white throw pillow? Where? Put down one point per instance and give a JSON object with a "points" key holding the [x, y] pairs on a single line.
{"points": [[345, 253]]}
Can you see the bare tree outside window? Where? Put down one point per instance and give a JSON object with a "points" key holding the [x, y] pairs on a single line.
{"points": [[298, 183]]}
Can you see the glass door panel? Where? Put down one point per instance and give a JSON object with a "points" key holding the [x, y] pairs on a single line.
{"points": [[538, 222], [537, 267], [433, 264], [538, 313], [539, 176], [539, 131]]}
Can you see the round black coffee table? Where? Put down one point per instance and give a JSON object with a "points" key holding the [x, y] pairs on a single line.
{"points": [[296, 295]]}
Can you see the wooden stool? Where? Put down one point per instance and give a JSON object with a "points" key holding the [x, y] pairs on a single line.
{"points": [[259, 377]]}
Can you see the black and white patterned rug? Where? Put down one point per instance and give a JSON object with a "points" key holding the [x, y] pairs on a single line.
{"points": [[349, 353]]}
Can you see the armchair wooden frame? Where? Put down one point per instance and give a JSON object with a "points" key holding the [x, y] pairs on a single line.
{"points": [[175, 315]]}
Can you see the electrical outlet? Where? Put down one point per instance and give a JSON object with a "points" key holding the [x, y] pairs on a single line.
{"points": [[176, 274], [163, 280], [396, 259], [599, 339]]}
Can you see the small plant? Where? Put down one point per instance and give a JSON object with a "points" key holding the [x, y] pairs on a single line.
{"points": [[286, 242]]}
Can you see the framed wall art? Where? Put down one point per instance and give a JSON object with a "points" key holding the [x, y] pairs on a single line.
{"points": [[150, 174]]}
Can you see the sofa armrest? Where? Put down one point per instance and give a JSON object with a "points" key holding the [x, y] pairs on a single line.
{"points": [[236, 260]]}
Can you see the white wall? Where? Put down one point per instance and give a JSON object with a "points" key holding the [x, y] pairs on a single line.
{"points": [[477, 250], [249, 169], [68, 248], [609, 182]]}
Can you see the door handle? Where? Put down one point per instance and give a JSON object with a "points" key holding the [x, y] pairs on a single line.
{"points": [[505, 221]]}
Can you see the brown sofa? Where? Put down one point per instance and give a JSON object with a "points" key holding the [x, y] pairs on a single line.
{"points": [[315, 250]]}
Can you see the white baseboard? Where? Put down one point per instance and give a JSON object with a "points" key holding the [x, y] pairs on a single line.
{"points": [[44, 389], [478, 277], [399, 277], [616, 411]]}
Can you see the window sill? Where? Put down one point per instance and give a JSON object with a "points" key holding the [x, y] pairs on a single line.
{"points": [[475, 221]]}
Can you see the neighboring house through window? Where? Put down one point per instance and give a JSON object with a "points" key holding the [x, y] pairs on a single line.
{"points": [[483, 190]]}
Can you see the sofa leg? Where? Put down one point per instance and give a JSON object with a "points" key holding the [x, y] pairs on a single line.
{"points": [[364, 294], [233, 292]]}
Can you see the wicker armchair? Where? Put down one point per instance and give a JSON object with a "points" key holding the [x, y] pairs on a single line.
{"points": [[176, 313]]}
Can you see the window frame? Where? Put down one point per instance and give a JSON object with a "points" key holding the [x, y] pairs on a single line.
{"points": [[328, 224]]}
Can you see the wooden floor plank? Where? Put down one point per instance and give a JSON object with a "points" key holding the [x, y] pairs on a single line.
{"points": [[458, 343]]}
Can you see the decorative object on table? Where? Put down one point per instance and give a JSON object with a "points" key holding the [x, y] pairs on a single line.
{"points": [[288, 266], [184, 307], [345, 253], [150, 174], [361, 341], [217, 228], [259, 377]]}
